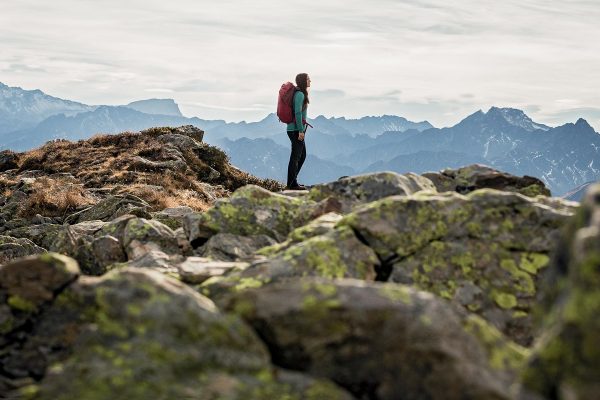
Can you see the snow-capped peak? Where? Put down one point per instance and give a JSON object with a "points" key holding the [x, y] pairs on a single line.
{"points": [[518, 118]]}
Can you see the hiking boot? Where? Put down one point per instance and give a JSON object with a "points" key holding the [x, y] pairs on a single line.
{"points": [[296, 187]]}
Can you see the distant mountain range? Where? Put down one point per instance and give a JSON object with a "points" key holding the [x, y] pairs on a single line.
{"points": [[23, 109], [564, 157]]}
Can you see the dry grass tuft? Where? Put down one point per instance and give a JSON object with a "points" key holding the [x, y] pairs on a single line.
{"points": [[53, 198]]}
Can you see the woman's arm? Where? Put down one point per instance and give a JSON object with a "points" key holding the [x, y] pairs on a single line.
{"points": [[298, 102]]}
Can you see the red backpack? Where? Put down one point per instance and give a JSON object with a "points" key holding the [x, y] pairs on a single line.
{"points": [[285, 103]]}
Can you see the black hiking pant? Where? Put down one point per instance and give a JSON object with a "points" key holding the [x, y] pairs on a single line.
{"points": [[297, 158]]}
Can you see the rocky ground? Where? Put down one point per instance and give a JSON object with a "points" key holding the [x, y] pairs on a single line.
{"points": [[144, 265]]}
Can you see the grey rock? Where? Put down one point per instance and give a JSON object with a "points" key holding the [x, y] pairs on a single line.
{"points": [[108, 250], [379, 341], [42, 235], [111, 208], [12, 248], [141, 235], [362, 189], [196, 270], [473, 177], [229, 247], [443, 243], [172, 217]]}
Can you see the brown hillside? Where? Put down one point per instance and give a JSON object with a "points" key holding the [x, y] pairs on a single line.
{"points": [[167, 167]]}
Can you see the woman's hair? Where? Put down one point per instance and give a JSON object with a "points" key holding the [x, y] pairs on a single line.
{"points": [[301, 82]]}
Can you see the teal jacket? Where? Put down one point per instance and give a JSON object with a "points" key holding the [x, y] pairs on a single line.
{"points": [[299, 113]]}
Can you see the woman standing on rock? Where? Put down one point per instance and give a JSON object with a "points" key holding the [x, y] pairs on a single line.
{"points": [[296, 131]]}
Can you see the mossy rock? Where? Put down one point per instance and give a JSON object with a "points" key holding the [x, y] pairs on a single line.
{"points": [[251, 210], [42, 235], [172, 217], [362, 189], [29, 284], [137, 334], [476, 176], [337, 254], [141, 235], [13, 248], [565, 363], [319, 226], [380, 340], [486, 251]]}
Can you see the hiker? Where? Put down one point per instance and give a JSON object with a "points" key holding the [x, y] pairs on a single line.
{"points": [[296, 131]]}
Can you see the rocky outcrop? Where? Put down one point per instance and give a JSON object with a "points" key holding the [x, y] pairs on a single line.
{"points": [[473, 177], [422, 347], [28, 287], [484, 251], [295, 277], [107, 336], [566, 360]]}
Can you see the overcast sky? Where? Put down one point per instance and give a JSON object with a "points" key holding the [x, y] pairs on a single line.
{"points": [[429, 60]]}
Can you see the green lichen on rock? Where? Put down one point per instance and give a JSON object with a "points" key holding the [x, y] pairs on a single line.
{"points": [[476, 176], [18, 303], [31, 282], [316, 227], [565, 361], [383, 341], [337, 254], [485, 251], [141, 234], [252, 210], [134, 324], [503, 354]]}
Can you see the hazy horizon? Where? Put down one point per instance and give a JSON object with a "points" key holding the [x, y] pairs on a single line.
{"points": [[419, 59]]}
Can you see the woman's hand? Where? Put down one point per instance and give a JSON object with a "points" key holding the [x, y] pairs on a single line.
{"points": [[301, 136]]}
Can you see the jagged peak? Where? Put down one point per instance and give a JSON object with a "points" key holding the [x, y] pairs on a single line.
{"points": [[512, 116], [583, 123]]}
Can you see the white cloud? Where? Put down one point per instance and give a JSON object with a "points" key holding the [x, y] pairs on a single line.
{"points": [[415, 58]]}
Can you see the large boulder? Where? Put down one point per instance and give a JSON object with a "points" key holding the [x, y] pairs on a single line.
{"points": [[12, 248], [251, 210], [137, 334], [337, 254], [476, 176], [485, 251], [379, 341], [565, 363], [362, 189]]}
